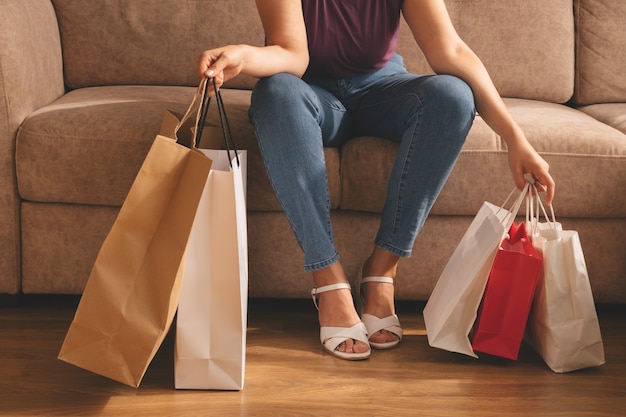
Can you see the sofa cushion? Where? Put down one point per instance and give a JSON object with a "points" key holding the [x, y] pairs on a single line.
{"points": [[601, 51], [167, 39], [529, 54], [88, 146], [613, 114], [580, 150]]}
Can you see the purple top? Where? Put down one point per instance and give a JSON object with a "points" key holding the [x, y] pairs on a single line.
{"points": [[350, 37]]}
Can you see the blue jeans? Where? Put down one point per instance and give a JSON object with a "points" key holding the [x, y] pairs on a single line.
{"points": [[429, 116]]}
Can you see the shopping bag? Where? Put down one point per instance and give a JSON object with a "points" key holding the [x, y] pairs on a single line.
{"points": [[132, 293], [563, 326], [183, 127], [210, 345], [503, 313], [451, 309], [212, 312]]}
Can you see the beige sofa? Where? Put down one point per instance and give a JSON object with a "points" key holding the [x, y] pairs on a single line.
{"points": [[83, 86]]}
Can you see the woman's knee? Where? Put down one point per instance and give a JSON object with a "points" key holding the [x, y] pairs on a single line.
{"points": [[278, 93], [455, 95]]}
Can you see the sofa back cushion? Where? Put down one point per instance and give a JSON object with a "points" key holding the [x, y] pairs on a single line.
{"points": [[117, 42], [526, 45], [601, 51]]}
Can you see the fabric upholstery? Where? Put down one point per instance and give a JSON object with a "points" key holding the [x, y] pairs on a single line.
{"points": [[565, 136], [613, 114], [30, 76], [75, 127], [601, 55], [79, 231], [167, 38], [418, 274], [65, 238], [527, 45], [88, 146]]}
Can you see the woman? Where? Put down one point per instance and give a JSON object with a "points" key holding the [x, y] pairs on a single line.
{"points": [[328, 72]]}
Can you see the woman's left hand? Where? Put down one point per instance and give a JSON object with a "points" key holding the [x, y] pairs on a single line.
{"points": [[524, 159]]}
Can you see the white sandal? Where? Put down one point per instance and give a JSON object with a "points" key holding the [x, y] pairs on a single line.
{"points": [[375, 324], [332, 337]]}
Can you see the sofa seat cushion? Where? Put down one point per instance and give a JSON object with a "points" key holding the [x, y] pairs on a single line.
{"points": [[88, 146], [587, 158], [613, 114]]}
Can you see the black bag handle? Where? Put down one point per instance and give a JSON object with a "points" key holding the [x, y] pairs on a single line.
{"points": [[229, 143]]}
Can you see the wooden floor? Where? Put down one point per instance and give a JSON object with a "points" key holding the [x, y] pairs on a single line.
{"points": [[288, 374]]}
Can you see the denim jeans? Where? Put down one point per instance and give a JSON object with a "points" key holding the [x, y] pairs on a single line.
{"points": [[429, 116]]}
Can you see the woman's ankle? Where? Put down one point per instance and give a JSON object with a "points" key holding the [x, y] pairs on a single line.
{"points": [[379, 297], [333, 274], [381, 263]]}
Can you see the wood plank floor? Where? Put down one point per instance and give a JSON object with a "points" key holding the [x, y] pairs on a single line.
{"points": [[288, 374]]}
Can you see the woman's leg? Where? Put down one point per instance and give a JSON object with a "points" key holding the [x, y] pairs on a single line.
{"points": [[292, 120], [430, 117]]}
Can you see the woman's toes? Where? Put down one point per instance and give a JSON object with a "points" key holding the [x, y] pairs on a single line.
{"points": [[360, 347], [383, 336], [352, 346], [345, 347]]}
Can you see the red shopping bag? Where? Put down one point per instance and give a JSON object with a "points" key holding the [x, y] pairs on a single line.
{"points": [[506, 303]]}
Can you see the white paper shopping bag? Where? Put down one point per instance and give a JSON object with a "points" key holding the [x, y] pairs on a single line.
{"points": [[451, 309], [563, 326], [210, 347]]}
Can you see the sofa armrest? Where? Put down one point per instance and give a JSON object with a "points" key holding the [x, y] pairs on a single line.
{"points": [[31, 76]]}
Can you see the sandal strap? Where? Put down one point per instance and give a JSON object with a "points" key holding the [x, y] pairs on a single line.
{"points": [[331, 337], [332, 287], [375, 324], [386, 280]]}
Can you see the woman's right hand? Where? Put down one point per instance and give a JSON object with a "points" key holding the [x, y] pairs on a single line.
{"points": [[221, 64], [285, 48]]}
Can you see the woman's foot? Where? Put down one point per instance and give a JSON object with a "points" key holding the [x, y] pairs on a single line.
{"points": [[378, 296], [336, 308]]}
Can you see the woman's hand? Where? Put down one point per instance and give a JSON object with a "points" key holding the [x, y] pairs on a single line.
{"points": [[447, 53], [523, 159], [221, 64], [286, 48]]}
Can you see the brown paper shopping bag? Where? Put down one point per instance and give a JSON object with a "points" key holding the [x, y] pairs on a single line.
{"points": [[210, 136], [210, 349], [132, 293]]}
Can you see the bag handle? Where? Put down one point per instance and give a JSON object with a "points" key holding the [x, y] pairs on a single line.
{"points": [[203, 110], [532, 211], [530, 179], [551, 219], [517, 204], [200, 93], [536, 207]]}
